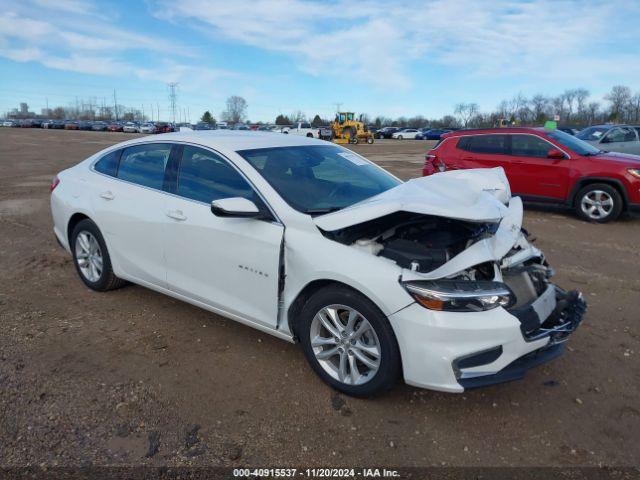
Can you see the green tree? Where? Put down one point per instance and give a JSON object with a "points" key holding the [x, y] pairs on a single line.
{"points": [[317, 121], [282, 120], [207, 117]]}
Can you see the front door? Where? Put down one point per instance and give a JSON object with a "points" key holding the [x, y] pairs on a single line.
{"points": [[535, 175], [230, 264]]}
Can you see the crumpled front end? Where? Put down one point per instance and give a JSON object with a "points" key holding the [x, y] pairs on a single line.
{"points": [[485, 309], [455, 349]]}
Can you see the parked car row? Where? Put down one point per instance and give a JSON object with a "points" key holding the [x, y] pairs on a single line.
{"points": [[96, 126], [426, 133]]}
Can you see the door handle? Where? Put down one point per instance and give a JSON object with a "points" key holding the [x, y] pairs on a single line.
{"points": [[176, 215], [107, 195]]}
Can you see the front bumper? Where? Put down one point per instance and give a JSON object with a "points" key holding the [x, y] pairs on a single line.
{"points": [[452, 351]]}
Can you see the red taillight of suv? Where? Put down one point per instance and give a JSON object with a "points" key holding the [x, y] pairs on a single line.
{"points": [[432, 164], [54, 183]]}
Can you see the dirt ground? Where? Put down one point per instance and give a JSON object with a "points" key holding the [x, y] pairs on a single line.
{"points": [[132, 377]]}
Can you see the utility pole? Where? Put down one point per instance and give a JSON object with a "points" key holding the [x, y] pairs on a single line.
{"points": [[188, 115], [143, 112], [172, 99], [158, 107], [338, 105], [115, 104]]}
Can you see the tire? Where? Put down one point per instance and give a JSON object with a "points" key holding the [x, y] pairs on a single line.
{"points": [[369, 140], [399, 137], [84, 234], [309, 135], [598, 203], [376, 336]]}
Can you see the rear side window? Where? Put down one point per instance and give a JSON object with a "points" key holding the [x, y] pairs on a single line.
{"points": [[529, 146], [108, 164], [490, 144], [145, 164], [205, 176]]}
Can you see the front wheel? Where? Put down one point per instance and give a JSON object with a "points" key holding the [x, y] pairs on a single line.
{"points": [[598, 202], [399, 137], [349, 342], [369, 140]]}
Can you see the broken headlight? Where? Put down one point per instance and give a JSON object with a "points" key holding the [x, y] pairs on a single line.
{"points": [[460, 296]]}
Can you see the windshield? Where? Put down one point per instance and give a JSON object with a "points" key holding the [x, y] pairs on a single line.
{"points": [[317, 179], [579, 146], [592, 134]]}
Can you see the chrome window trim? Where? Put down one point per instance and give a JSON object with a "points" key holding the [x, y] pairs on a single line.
{"points": [[277, 220]]}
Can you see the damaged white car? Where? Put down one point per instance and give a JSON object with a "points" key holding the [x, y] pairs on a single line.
{"points": [[432, 280]]}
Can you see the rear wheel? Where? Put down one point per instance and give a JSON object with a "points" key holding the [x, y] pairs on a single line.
{"points": [[349, 342], [91, 258], [369, 140], [598, 202], [309, 135]]}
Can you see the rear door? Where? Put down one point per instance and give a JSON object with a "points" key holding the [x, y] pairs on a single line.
{"points": [[129, 206], [230, 264], [481, 151], [532, 173]]}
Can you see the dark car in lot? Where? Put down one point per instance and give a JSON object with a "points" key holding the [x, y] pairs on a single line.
{"points": [[85, 125], [386, 132], [433, 133], [164, 127], [99, 126], [115, 127], [547, 166]]}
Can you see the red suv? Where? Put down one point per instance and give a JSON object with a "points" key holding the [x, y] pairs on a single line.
{"points": [[547, 166]]}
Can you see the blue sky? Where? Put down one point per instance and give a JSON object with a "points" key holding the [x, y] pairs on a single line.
{"points": [[390, 58]]}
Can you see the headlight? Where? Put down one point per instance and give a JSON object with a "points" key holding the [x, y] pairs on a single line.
{"points": [[634, 171], [460, 295]]}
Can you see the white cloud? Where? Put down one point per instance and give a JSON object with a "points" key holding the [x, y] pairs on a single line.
{"points": [[379, 42]]}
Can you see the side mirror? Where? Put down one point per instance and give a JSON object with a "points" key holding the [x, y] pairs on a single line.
{"points": [[236, 207], [605, 139], [556, 154]]}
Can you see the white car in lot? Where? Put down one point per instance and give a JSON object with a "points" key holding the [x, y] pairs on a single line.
{"points": [[407, 133], [130, 127], [431, 279]]}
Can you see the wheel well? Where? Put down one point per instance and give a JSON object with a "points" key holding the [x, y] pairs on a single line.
{"points": [[607, 181], [73, 221], [293, 314]]}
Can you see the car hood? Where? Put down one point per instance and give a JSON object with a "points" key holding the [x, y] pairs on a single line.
{"points": [[620, 157], [476, 195]]}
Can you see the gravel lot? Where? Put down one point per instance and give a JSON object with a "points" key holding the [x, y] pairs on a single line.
{"points": [[132, 377]]}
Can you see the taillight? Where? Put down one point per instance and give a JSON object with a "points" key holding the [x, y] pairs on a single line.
{"points": [[435, 163], [54, 183]]}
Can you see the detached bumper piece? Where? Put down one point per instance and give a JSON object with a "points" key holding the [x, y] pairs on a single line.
{"points": [[516, 369], [565, 318], [562, 322]]}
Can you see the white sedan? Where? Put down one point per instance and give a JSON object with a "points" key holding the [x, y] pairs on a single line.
{"points": [[407, 133], [431, 279]]}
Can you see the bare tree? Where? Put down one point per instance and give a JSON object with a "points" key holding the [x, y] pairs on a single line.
{"points": [[465, 112], [592, 112], [539, 107], [236, 110], [619, 98], [582, 94]]}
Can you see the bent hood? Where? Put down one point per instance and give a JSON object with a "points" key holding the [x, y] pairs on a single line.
{"points": [[476, 195]]}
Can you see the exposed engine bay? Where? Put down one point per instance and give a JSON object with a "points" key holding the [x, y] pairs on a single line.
{"points": [[420, 243]]}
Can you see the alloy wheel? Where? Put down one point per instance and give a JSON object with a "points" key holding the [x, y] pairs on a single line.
{"points": [[89, 256], [597, 204], [345, 344]]}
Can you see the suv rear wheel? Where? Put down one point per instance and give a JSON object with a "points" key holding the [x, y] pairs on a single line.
{"points": [[598, 202]]}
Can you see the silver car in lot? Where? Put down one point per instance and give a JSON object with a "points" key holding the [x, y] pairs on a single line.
{"points": [[613, 138]]}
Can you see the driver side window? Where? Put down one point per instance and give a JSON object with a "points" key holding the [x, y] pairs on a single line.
{"points": [[204, 176]]}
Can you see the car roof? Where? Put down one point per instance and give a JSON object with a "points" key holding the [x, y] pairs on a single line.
{"points": [[234, 140], [506, 130]]}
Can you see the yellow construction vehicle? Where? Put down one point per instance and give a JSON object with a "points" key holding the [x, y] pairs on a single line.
{"points": [[346, 129]]}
